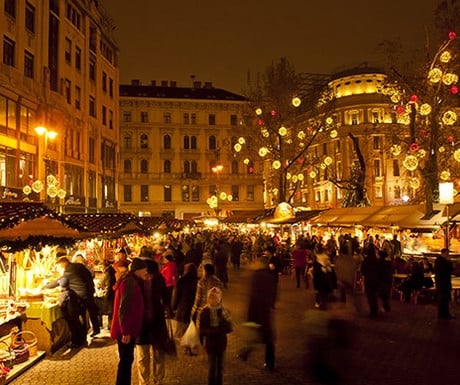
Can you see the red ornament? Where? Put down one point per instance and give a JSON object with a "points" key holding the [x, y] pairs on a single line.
{"points": [[414, 98], [300, 160], [260, 122], [414, 147], [450, 138], [272, 112], [400, 110], [424, 132], [454, 90], [452, 35]]}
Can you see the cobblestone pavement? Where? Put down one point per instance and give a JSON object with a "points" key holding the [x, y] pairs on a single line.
{"points": [[407, 346]]}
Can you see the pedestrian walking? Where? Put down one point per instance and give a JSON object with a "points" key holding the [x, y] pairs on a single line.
{"points": [[442, 275]]}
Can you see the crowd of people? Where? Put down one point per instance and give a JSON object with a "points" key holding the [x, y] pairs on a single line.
{"points": [[184, 278]]}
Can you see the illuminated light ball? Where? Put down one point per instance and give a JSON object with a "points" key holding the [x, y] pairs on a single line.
{"points": [[237, 147], [241, 140], [260, 122], [395, 98], [209, 201], [51, 180], [275, 191], [435, 75], [246, 161], [301, 144], [300, 177], [26, 190], [410, 162], [414, 147], [61, 193], [404, 119], [454, 90], [230, 197], [214, 200], [52, 191], [282, 131], [312, 174], [296, 101], [265, 133], [445, 57], [449, 79], [329, 120], [400, 109], [301, 135], [276, 164], [421, 153], [333, 134], [450, 138], [449, 117], [425, 109], [37, 186], [396, 149], [414, 98], [272, 112], [263, 151], [258, 111], [289, 141], [414, 183], [445, 175], [288, 176], [294, 179], [323, 166], [441, 149], [327, 160], [452, 35], [223, 195], [457, 155]]}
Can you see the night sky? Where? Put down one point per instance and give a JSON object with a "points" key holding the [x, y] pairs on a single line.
{"points": [[221, 41]]}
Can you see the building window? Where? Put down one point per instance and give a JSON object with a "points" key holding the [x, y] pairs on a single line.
{"points": [[127, 141], [193, 142], [167, 193], [195, 193], [68, 51], [250, 192], [144, 166], [167, 167], [396, 171], [375, 117], [92, 106], [187, 167], [104, 82], [193, 167], [111, 87], [234, 167], [233, 120], [144, 116], [73, 16], [28, 65], [144, 193], [236, 192], [104, 115], [127, 166], [67, 91], [92, 150], [326, 195], [8, 51], [325, 149], [397, 192], [167, 117], [127, 193], [10, 8], [250, 167], [212, 190], [77, 97], [354, 118], [193, 118], [30, 17], [92, 70], [337, 147], [126, 116], [318, 196], [212, 119], [212, 143], [186, 118], [378, 192], [185, 193], [186, 142], [111, 119], [144, 141], [377, 170], [167, 142], [376, 142], [78, 58]]}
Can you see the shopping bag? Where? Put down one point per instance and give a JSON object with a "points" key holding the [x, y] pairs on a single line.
{"points": [[190, 338], [170, 344]]}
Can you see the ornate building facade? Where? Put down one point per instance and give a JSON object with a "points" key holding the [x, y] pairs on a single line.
{"points": [[176, 152], [59, 72]]}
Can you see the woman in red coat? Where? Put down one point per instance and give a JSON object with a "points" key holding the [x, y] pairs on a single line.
{"points": [[128, 312]]}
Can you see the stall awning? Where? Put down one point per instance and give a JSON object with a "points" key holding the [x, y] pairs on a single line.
{"points": [[110, 224], [243, 216], [345, 216]]}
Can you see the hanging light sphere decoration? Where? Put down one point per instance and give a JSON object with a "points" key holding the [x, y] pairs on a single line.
{"points": [[333, 134], [263, 151], [425, 109], [276, 164], [282, 131], [258, 111], [296, 101], [237, 147], [246, 161], [410, 162]]}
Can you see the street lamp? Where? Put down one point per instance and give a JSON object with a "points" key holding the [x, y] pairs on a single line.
{"points": [[446, 196]]}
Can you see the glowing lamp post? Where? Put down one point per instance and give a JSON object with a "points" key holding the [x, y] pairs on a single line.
{"points": [[446, 196]]}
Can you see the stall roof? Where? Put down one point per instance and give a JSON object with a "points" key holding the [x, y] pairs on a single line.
{"points": [[243, 216], [154, 223], [300, 216], [108, 223], [345, 216]]}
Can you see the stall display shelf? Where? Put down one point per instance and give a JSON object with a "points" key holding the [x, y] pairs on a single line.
{"points": [[18, 369]]}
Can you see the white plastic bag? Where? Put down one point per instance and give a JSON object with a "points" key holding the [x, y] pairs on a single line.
{"points": [[191, 339]]}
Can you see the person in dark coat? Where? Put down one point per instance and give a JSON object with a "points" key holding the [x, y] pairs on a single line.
{"points": [[108, 281], [193, 255], [442, 275], [236, 247], [386, 279], [183, 299], [413, 282], [370, 269], [262, 292], [215, 324], [151, 342], [220, 258]]}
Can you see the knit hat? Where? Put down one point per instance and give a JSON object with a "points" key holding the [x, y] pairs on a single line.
{"points": [[138, 264], [215, 294]]}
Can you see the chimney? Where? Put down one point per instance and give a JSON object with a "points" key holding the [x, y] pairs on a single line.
{"points": [[196, 84], [135, 82], [164, 83], [207, 84], [153, 83], [173, 83]]}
